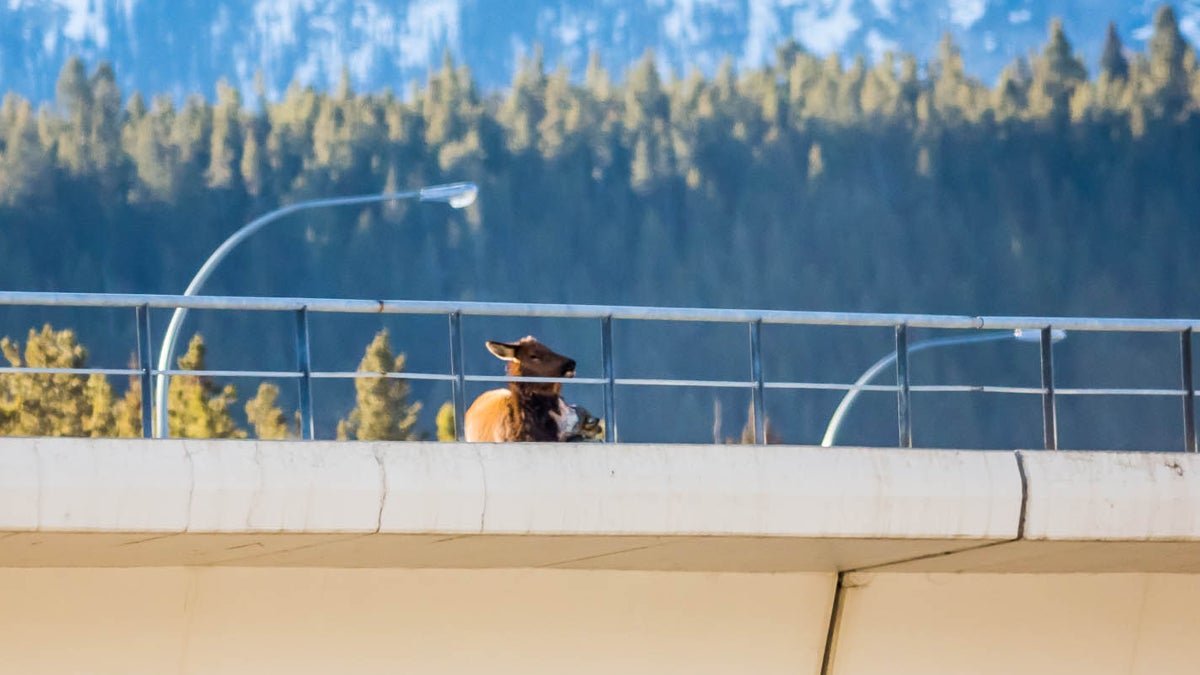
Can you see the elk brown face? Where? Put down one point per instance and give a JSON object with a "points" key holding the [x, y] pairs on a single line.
{"points": [[529, 358]]}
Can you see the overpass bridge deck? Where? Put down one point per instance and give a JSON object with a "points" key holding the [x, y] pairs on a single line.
{"points": [[134, 502]]}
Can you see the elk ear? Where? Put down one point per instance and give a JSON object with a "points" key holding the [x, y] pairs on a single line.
{"points": [[502, 350]]}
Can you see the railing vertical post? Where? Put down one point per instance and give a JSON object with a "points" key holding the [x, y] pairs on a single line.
{"points": [[457, 369], [756, 371], [903, 393], [145, 363], [1049, 415], [1189, 391], [610, 402], [304, 366]]}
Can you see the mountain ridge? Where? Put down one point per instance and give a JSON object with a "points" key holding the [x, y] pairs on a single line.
{"points": [[185, 47]]}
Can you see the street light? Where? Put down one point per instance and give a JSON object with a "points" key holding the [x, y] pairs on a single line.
{"points": [[1020, 335], [457, 195]]}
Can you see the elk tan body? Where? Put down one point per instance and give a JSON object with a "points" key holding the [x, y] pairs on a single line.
{"points": [[525, 411]]}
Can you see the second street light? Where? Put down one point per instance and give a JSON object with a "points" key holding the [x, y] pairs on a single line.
{"points": [[457, 195], [835, 420]]}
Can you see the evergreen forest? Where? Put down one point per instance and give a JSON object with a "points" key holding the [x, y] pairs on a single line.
{"points": [[814, 183]]}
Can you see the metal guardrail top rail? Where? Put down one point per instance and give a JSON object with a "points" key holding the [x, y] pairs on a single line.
{"points": [[1044, 330], [359, 306]]}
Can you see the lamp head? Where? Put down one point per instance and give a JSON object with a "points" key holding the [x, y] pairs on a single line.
{"points": [[457, 195], [1035, 335]]}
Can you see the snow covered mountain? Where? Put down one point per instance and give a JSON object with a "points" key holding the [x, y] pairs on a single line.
{"points": [[184, 46]]}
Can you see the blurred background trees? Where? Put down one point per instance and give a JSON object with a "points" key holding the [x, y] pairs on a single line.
{"points": [[812, 183], [65, 404]]}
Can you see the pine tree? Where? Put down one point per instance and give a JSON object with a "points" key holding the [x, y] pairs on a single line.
{"points": [[596, 80], [1113, 63], [107, 161], [474, 137], [647, 113], [147, 141], [101, 421], [382, 411], [1056, 74], [558, 126], [881, 90], [74, 99], [773, 105], [646, 102], [1168, 77], [264, 415], [525, 107], [445, 423], [225, 144], [910, 87], [135, 110], [820, 95], [127, 412], [72, 91], [401, 126], [331, 148], [1010, 98], [785, 55], [59, 404], [442, 104], [1191, 66], [289, 138], [953, 92], [190, 133], [196, 408], [253, 165], [24, 164], [850, 88]]}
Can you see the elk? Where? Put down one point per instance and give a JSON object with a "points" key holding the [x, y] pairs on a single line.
{"points": [[528, 411]]}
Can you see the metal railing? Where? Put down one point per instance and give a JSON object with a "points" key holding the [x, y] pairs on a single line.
{"points": [[1044, 327]]}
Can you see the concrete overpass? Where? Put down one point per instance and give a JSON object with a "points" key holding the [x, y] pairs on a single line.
{"points": [[164, 556]]}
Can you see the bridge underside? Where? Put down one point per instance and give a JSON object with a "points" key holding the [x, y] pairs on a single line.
{"points": [[590, 552], [301, 557]]}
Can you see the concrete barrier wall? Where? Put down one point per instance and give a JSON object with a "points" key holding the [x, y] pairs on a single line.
{"points": [[72, 502]]}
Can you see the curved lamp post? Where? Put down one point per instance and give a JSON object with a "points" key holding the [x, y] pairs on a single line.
{"points": [[839, 414], [457, 195]]}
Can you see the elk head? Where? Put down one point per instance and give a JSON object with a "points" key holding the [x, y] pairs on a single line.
{"points": [[529, 358]]}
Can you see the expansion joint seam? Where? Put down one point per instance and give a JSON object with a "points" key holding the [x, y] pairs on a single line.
{"points": [[1024, 495], [1022, 515], [383, 486], [256, 498], [835, 620], [41, 485], [191, 500], [839, 591], [483, 478]]}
